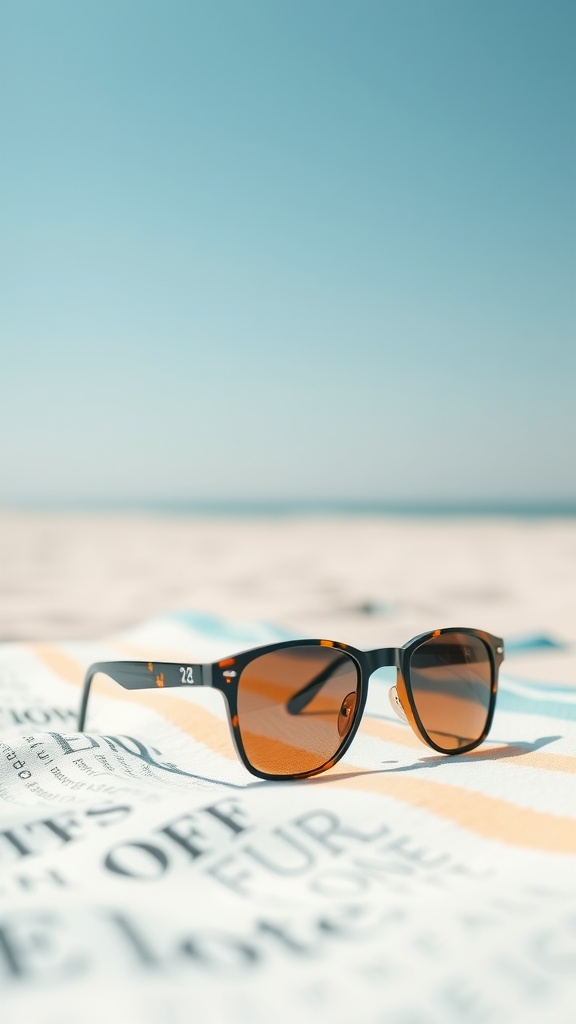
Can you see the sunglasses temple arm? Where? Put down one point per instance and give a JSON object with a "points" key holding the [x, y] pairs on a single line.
{"points": [[143, 675], [303, 697]]}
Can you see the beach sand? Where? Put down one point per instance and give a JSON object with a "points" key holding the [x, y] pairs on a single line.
{"points": [[367, 580]]}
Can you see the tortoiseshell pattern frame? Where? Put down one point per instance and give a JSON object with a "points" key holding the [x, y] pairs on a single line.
{"points": [[225, 676]]}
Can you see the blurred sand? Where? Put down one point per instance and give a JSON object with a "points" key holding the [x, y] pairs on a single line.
{"points": [[370, 581]]}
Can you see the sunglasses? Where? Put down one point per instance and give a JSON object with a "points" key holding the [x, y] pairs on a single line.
{"points": [[295, 707]]}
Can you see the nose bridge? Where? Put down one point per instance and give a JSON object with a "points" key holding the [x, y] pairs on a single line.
{"points": [[383, 657]]}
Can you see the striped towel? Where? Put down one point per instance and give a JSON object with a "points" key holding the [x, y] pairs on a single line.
{"points": [[147, 877]]}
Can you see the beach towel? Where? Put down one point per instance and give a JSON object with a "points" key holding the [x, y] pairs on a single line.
{"points": [[147, 877]]}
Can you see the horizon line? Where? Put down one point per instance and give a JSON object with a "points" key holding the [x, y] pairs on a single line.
{"points": [[556, 507]]}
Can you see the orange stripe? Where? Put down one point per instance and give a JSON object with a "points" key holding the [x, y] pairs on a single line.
{"points": [[61, 664], [483, 815]]}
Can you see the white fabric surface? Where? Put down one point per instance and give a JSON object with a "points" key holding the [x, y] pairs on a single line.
{"points": [[146, 877]]}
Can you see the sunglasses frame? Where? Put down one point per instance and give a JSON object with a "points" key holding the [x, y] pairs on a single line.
{"points": [[225, 676]]}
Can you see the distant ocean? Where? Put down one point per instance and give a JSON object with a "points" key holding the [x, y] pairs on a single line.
{"points": [[300, 507]]}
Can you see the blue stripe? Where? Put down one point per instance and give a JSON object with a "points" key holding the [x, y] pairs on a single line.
{"points": [[540, 689], [533, 642], [544, 706]]}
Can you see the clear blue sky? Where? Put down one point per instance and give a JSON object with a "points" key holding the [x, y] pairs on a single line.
{"points": [[288, 249]]}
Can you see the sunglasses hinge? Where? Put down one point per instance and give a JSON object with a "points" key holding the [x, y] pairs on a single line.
{"points": [[206, 675]]}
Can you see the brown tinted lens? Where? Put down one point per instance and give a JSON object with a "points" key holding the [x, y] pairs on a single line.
{"points": [[296, 707], [451, 682]]}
